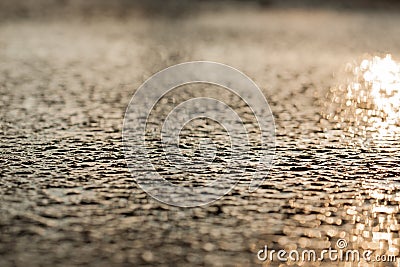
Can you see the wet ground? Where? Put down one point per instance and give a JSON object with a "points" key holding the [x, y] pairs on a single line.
{"points": [[68, 199]]}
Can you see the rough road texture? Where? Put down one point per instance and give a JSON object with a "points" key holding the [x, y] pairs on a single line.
{"points": [[67, 197]]}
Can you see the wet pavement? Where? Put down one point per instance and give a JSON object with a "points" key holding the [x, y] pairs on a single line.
{"points": [[68, 199]]}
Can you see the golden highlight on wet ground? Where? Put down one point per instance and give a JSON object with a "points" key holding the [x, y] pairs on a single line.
{"points": [[367, 102]]}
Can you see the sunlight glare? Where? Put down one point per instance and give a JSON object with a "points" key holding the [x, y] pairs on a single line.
{"points": [[368, 103], [382, 77]]}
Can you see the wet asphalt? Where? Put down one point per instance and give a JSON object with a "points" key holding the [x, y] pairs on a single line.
{"points": [[67, 197]]}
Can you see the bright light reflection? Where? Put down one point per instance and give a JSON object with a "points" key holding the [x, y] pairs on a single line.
{"points": [[382, 77], [369, 102], [377, 225]]}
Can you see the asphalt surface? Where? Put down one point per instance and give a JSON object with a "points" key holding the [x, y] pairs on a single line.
{"points": [[68, 199]]}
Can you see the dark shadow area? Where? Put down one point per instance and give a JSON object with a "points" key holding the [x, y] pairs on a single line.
{"points": [[170, 8]]}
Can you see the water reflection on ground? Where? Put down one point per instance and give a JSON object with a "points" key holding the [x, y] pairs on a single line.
{"points": [[67, 197], [365, 106]]}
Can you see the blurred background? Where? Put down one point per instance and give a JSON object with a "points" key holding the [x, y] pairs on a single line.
{"points": [[25, 9]]}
